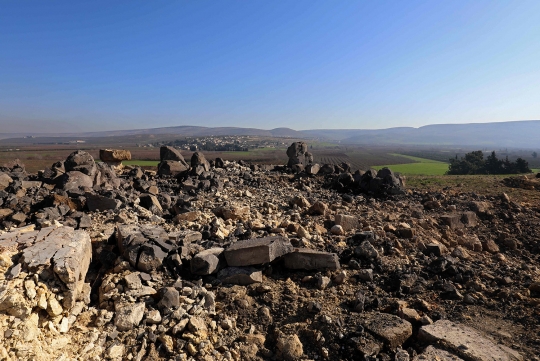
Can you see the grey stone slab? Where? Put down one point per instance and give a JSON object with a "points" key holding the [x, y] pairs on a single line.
{"points": [[308, 259], [466, 342], [257, 251]]}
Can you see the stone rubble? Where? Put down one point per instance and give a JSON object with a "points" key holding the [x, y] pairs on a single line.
{"points": [[218, 260]]}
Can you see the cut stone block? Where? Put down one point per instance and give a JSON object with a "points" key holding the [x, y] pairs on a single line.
{"points": [[308, 259], [347, 222], [257, 251]]}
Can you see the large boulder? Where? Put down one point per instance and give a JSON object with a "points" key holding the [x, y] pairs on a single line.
{"points": [[199, 162], [172, 163], [62, 254], [80, 161], [172, 167], [167, 152], [106, 177], [75, 181], [379, 183], [298, 155], [5, 181], [144, 246]]}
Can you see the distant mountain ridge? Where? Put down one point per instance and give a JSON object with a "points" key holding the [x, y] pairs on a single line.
{"points": [[185, 130], [514, 134]]}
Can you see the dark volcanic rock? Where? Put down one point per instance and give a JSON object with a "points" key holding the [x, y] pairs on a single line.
{"points": [[80, 161]]}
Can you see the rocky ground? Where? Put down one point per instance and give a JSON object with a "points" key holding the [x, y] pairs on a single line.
{"points": [[228, 261]]}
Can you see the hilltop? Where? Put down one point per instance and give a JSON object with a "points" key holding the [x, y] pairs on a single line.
{"points": [[514, 134]]}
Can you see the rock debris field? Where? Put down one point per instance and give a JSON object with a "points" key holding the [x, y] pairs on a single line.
{"points": [[216, 260]]}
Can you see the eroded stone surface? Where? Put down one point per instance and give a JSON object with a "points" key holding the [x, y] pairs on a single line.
{"points": [[467, 342], [394, 330], [61, 251]]}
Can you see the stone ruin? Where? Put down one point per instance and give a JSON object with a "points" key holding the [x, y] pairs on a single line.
{"points": [[225, 261], [382, 182]]}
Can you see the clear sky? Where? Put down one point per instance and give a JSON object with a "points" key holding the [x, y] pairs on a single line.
{"points": [[96, 65]]}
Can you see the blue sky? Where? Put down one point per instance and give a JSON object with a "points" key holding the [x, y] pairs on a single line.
{"points": [[89, 65]]}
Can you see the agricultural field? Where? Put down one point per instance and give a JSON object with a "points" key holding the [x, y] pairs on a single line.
{"points": [[39, 153], [358, 157], [418, 166]]}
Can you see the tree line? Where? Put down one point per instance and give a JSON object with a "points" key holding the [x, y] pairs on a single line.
{"points": [[474, 163]]}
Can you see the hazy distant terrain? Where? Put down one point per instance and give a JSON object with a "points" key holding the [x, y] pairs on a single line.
{"points": [[518, 134]]}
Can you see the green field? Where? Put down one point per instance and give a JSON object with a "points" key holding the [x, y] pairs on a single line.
{"points": [[420, 166], [146, 163]]}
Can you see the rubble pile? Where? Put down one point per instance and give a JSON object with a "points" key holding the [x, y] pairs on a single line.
{"points": [[218, 260], [523, 182]]}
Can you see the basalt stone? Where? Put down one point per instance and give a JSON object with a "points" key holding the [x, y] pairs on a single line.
{"points": [[298, 155], [170, 298], [308, 259], [80, 161], [150, 202], [199, 160], [74, 181], [172, 168], [106, 177], [392, 329], [169, 153], [150, 257], [240, 276], [257, 251], [96, 202], [207, 261]]}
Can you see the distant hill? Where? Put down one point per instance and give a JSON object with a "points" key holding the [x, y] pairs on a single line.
{"points": [[184, 130], [519, 134], [516, 134]]}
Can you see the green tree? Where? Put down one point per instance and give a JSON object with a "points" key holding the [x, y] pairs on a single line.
{"points": [[474, 163], [522, 166], [493, 165]]}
